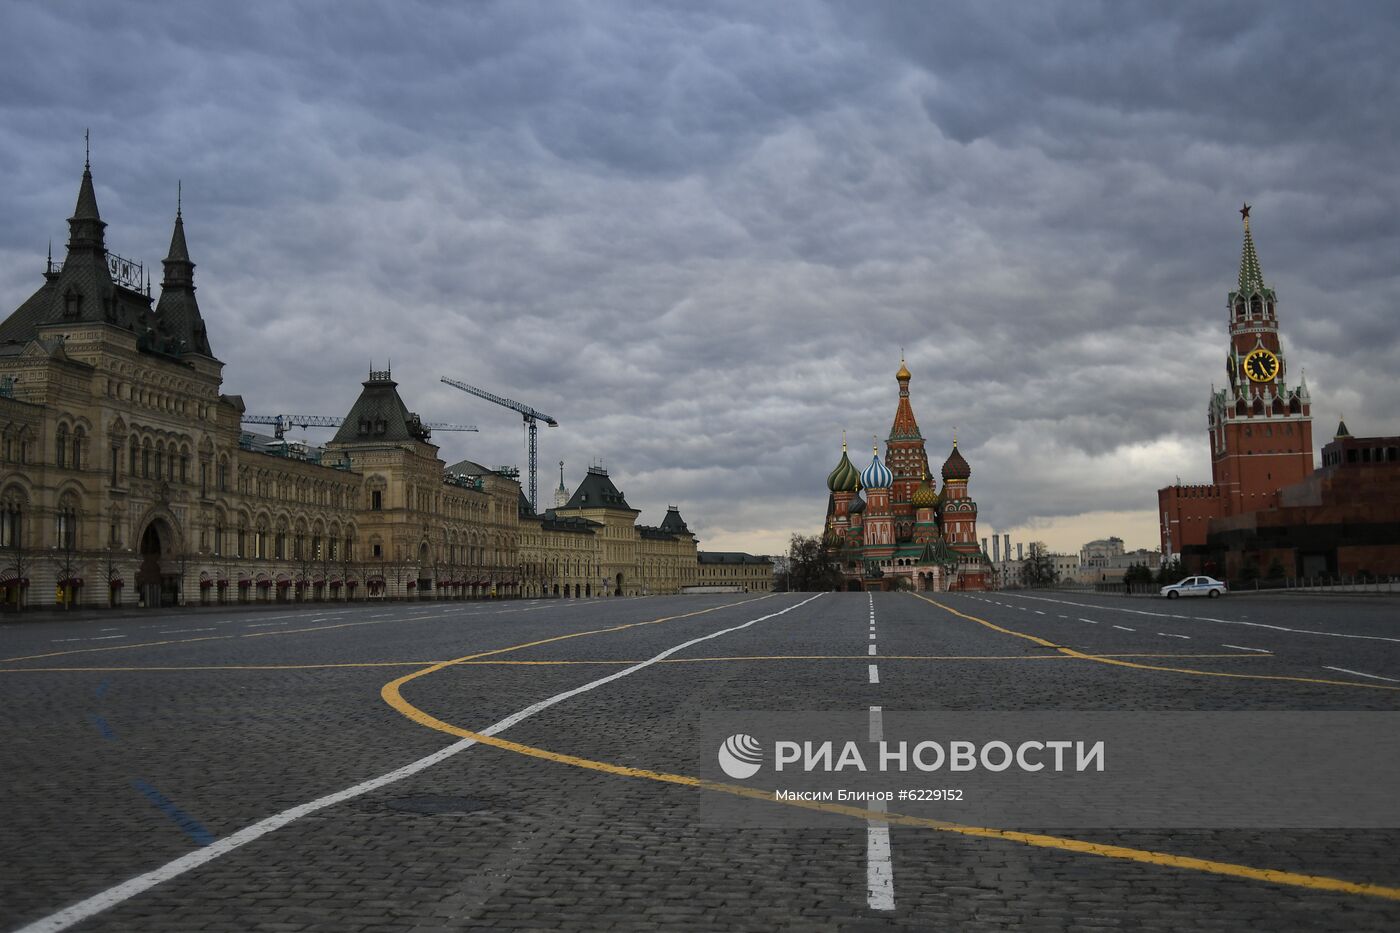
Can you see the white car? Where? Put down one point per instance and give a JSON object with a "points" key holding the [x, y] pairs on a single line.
{"points": [[1195, 586]]}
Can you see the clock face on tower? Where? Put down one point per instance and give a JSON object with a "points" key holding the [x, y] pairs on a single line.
{"points": [[1261, 365]]}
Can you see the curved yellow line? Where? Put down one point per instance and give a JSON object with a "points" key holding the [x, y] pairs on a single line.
{"points": [[1109, 659], [392, 695]]}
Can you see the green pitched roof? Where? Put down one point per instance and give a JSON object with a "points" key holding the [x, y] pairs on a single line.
{"points": [[379, 416], [597, 492]]}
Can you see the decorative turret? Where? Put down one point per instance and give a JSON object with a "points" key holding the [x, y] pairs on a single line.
{"points": [[85, 227], [844, 478], [877, 475], [879, 517], [925, 496], [1341, 430], [180, 325], [955, 467]]}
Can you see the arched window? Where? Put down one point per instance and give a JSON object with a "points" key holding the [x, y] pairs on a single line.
{"points": [[61, 447], [66, 525], [79, 437], [12, 519]]}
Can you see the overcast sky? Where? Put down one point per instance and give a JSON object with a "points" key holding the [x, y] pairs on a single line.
{"points": [[699, 234]]}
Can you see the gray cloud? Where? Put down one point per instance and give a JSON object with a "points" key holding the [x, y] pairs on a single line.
{"points": [[699, 237]]}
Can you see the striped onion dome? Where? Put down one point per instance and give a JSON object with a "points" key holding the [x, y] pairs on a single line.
{"points": [[877, 475], [845, 478], [925, 496]]}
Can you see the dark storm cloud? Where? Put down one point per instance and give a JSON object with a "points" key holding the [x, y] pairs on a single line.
{"points": [[699, 235]]}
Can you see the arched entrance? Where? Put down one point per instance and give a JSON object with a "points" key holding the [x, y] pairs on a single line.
{"points": [[618, 591], [155, 586]]}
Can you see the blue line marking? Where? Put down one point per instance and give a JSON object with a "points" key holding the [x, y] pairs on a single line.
{"points": [[189, 824], [102, 689], [102, 727]]}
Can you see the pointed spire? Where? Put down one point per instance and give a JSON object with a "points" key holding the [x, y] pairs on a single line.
{"points": [[1251, 277], [1342, 428], [179, 271], [85, 226]]}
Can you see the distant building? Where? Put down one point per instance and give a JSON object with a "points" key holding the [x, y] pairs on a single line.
{"points": [[733, 571], [1106, 560]]}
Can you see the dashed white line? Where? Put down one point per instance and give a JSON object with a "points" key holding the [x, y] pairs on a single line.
{"points": [[1243, 648], [879, 865], [1362, 674], [1125, 628], [1173, 635], [264, 624], [872, 650], [1164, 615], [106, 637], [874, 674], [181, 631], [1039, 613], [1090, 621]]}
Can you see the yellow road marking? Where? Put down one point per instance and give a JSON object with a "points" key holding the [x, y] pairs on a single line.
{"points": [[507, 663], [1110, 659], [392, 694]]}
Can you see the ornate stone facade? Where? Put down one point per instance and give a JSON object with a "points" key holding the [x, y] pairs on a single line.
{"points": [[126, 477]]}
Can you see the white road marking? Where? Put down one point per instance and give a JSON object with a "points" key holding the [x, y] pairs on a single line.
{"points": [[105, 637], [264, 624], [181, 631], [1039, 613], [872, 636], [872, 649], [112, 629], [1243, 648], [879, 866], [874, 674], [1173, 635], [1090, 621], [1361, 674], [111, 897], [59, 641], [1164, 615], [1125, 628]]}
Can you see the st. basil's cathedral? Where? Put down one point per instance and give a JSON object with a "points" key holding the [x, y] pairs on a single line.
{"points": [[902, 532]]}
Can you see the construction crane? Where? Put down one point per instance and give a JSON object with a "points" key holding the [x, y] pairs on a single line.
{"points": [[530, 415], [283, 423]]}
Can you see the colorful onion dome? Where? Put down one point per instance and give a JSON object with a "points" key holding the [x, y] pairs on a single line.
{"points": [[856, 507], [845, 478], [903, 375], [955, 467], [877, 475], [925, 496]]}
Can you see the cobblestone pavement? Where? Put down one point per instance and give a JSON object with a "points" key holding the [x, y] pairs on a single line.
{"points": [[131, 743]]}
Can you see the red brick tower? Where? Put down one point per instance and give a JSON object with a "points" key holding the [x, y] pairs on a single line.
{"points": [[906, 458], [1260, 429]]}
